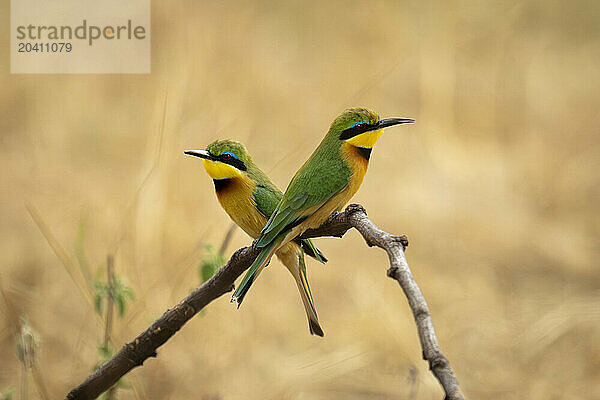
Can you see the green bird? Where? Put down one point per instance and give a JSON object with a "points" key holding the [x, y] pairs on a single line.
{"points": [[324, 184], [249, 198]]}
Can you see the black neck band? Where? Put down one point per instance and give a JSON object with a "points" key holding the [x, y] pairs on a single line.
{"points": [[221, 184]]}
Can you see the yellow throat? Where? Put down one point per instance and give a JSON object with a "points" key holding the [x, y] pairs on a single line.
{"points": [[367, 139], [219, 170]]}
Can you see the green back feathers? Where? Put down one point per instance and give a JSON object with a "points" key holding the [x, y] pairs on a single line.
{"points": [[322, 176], [266, 195]]}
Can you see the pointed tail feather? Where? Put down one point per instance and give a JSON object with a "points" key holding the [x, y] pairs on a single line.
{"points": [[307, 299], [262, 260], [311, 250]]}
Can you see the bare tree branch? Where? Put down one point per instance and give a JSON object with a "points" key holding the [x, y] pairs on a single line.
{"points": [[355, 216], [134, 353]]}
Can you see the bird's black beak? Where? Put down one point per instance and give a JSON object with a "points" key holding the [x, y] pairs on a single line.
{"points": [[200, 153], [384, 123]]}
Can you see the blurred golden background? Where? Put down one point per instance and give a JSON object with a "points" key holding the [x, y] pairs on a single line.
{"points": [[496, 186]]}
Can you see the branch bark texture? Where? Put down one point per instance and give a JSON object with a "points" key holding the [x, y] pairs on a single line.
{"points": [[134, 353]]}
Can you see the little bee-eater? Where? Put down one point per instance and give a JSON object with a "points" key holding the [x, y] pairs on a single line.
{"points": [[249, 197], [324, 184]]}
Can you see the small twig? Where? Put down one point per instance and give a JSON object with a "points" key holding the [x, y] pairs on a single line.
{"points": [[134, 353], [227, 239]]}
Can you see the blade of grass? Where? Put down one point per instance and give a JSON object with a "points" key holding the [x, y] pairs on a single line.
{"points": [[122, 232], [38, 379], [80, 250], [13, 316], [59, 251], [71, 270]]}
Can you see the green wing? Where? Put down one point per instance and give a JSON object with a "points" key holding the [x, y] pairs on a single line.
{"points": [[266, 199], [287, 215], [322, 177]]}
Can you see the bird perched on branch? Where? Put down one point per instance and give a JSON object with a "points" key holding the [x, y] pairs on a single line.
{"points": [[249, 197], [324, 184]]}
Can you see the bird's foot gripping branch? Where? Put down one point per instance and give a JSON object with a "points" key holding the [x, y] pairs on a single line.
{"points": [[134, 353]]}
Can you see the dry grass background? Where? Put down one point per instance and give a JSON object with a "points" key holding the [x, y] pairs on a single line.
{"points": [[496, 186]]}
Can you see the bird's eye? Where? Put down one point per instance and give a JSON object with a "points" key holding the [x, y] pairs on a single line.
{"points": [[358, 125], [226, 157]]}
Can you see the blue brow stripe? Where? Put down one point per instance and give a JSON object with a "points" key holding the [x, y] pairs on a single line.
{"points": [[231, 154], [357, 123]]}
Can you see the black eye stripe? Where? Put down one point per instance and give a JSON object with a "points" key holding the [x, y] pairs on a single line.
{"points": [[234, 162], [357, 130]]}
